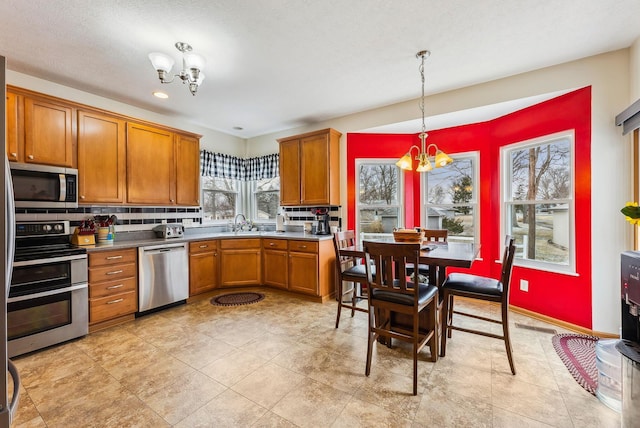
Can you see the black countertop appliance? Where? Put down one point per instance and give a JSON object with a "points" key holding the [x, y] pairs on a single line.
{"points": [[629, 346]]}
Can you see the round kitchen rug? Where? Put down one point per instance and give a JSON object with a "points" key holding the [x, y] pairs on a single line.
{"points": [[235, 299]]}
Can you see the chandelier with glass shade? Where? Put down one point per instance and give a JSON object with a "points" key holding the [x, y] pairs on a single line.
{"points": [[426, 162], [192, 66]]}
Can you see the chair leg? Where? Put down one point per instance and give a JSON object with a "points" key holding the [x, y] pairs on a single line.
{"points": [[354, 293], [507, 339], [445, 323], [450, 315], [339, 301], [370, 339], [416, 329], [433, 343]]}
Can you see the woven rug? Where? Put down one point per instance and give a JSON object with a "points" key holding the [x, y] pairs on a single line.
{"points": [[235, 299], [578, 353]]}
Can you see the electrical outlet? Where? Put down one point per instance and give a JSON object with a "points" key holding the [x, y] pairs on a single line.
{"points": [[187, 222], [524, 285], [163, 221]]}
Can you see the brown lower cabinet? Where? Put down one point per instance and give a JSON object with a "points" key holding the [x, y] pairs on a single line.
{"points": [[240, 262], [113, 285], [203, 266], [275, 263]]}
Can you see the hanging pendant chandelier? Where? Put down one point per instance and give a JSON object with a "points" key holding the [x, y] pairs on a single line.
{"points": [[426, 162], [192, 65]]}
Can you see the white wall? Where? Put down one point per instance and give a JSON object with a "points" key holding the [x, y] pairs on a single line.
{"points": [[211, 140], [608, 74]]}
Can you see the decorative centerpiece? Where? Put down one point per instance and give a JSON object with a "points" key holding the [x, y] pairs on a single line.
{"points": [[631, 212], [408, 235]]}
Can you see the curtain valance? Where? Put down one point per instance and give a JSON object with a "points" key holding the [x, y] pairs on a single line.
{"points": [[225, 166]]}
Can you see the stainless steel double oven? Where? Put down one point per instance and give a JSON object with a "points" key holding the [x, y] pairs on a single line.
{"points": [[48, 297]]}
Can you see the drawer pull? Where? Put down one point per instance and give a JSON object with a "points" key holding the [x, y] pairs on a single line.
{"points": [[115, 272], [113, 287], [114, 257], [302, 246], [204, 246], [271, 244], [111, 302]]}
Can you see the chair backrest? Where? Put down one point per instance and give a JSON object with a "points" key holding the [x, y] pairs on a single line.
{"points": [[390, 260], [346, 238], [435, 235], [507, 265]]}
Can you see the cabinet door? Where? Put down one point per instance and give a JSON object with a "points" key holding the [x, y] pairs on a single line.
{"points": [[150, 165], [48, 132], [203, 272], [101, 158], [13, 145], [188, 170], [240, 267], [314, 169], [275, 268], [303, 273], [290, 172]]}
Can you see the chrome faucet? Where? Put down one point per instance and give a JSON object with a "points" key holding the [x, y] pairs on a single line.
{"points": [[235, 221]]}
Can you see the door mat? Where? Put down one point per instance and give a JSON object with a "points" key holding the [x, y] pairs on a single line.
{"points": [[236, 299], [578, 353]]}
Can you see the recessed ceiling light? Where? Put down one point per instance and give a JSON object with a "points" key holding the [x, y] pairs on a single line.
{"points": [[159, 94], [238, 128]]}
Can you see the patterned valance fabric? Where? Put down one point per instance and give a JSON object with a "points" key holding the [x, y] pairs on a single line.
{"points": [[225, 166]]}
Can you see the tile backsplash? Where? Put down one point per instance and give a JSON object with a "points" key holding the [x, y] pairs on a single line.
{"points": [[129, 218]]}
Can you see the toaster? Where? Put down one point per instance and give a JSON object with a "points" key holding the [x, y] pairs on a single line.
{"points": [[169, 230]]}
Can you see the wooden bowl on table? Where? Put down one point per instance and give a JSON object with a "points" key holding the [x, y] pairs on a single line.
{"points": [[408, 235]]}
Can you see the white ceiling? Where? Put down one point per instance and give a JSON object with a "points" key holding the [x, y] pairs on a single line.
{"points": [[279, 64]]}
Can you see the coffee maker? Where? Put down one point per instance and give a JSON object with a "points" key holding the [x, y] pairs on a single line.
{"points": [[630, 295], [322, 221]]}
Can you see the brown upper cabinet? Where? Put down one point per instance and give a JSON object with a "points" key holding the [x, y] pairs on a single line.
{"points": [[120, 160], [101, 158], [151, 165], [187, 170], [310, 168], [40, 129]]}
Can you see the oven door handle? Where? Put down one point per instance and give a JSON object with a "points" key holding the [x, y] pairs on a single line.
{"points": [[48, 293], [49, 260]]}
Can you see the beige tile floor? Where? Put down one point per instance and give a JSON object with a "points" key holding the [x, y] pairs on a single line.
{"points": [[281, 363]]}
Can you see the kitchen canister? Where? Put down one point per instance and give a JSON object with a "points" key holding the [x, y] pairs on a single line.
{"points": [[105, 235]]}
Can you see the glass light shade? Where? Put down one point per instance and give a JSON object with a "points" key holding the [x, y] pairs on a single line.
{"points": [[442, 159], [192, 60], [161, 61], [200, 78], [405, 162], [424, 165]]}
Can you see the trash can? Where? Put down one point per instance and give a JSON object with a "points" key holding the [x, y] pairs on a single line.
{"points": [[630, 382], [608, 363]]}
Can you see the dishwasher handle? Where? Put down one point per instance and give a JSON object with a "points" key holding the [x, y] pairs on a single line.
{"points": [[160, 250]]}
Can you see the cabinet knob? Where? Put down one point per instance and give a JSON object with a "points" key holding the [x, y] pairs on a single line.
{"points": [[197, 201], [14, 154], [30, 156], [215, 254], [271, 244], [81, 196], [172, 200]]}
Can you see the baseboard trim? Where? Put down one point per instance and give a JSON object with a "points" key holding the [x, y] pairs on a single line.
{"points": [[562, 324]]}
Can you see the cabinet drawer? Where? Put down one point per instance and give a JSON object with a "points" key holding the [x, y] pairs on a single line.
{"points": [[303, 246], [101, 258], [203, 246], [274, 244], [112, 306], [239, 243], [112, 273], [109, 288]]}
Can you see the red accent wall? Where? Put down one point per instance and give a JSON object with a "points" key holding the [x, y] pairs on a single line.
{"points": [[560, 296]]}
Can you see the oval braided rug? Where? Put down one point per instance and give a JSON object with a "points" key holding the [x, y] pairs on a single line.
{"points": [[578, 353], [235, 299]]}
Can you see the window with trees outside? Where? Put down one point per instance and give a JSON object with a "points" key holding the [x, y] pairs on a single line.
{"points": [[538, 203], [220, 198], [266, 198], [451, 200], [378, 190]]}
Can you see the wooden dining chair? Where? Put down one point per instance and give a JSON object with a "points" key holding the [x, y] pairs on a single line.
{"points": [[480, 288], [348, 270], [430, 235], [393, 297]]}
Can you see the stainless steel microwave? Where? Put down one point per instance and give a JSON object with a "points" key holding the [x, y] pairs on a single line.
{"points": [[43, 186]]}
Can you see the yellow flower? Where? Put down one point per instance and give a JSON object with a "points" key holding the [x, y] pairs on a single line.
{"points": [[631, 212]]}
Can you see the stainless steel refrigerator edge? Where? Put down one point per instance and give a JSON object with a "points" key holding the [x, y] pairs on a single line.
{"points": [[7, 407]]}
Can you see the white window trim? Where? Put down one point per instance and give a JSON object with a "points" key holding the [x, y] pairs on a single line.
{"points": [[239, 195], [475, 155], [505, 189], [401, 205]]}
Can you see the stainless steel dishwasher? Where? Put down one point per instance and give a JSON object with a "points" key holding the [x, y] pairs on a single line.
{"points": [[163, 275]]}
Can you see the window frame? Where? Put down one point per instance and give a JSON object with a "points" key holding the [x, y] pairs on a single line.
{"points": [[238, 204], [401, 176], [424, 205], [250, 187], [506, 191]]}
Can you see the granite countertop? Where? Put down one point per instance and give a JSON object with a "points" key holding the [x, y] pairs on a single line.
{"points": [[135, 243]]}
